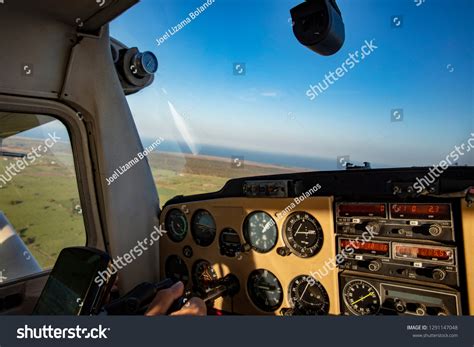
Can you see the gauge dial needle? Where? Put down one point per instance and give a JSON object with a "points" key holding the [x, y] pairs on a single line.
{"points": [[298, 230], [355, 302], [309, 232], [304, 291]]}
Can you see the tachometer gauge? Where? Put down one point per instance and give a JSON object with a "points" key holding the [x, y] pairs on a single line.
{"points": [[303, 234], [204, 276], [176, 269], [260, 231], [308, 296], [176, 225], [265, 290], [361, 298], [203, 228]]}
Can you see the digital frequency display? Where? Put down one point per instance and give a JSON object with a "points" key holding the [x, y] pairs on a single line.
{"points": [[423, 253], [377, 248], [421, 211], [362, 210]]}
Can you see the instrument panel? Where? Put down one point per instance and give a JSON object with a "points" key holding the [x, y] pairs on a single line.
{"points": [[269, 247], [319, 255]]}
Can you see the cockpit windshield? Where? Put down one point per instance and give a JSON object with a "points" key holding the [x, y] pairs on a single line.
{"points": [[237, 95]]}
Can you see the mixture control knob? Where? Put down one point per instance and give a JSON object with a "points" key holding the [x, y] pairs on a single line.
{"points": [[375, 265], [438, 274], [435, 229]]}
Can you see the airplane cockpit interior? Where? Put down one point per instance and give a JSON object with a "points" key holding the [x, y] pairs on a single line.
{"points": [[276, 158]]}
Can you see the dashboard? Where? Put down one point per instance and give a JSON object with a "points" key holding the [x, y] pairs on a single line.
{"points": [[296, 249]]}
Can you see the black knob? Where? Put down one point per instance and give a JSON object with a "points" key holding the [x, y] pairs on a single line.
{"points": [[438, 274], [373, 227], [187, 251], [375, 265], [283, 251], [435, 229]]}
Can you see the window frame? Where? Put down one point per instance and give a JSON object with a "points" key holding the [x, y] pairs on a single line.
{"points": [[81, 150]]}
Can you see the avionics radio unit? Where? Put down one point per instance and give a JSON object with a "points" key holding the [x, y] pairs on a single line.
{"points": [[397, 220], [367, 296], [423, 262]]}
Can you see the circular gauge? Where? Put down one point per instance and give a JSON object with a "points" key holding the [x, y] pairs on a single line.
{"points": [[176, 269], [308, 297], [146, 63], [303, 234], [204, 276], [203, 228], [176, 225], [265, 290], [361, 298], [260, 231]]}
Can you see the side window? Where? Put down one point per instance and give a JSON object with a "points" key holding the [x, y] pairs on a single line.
{"points": [[40, 210]]}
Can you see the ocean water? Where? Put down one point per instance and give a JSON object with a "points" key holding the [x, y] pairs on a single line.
{"points": [[315, 163], [285, 160]]}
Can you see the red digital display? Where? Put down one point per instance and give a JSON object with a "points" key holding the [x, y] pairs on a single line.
{"points": [[366, 247], [423, 253], [421, 211], [362, 210]]}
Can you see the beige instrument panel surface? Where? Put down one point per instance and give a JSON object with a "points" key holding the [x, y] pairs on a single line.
{"points": [[468, 239], [231, 213]]}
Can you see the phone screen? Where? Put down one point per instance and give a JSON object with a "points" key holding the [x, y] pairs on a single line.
{"points": [[70, 281]]}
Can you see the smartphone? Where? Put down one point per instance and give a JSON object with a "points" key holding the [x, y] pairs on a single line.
{"points": [[71, 288]]}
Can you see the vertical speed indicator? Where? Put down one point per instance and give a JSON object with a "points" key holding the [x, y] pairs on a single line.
{"points": [[303, 234]]}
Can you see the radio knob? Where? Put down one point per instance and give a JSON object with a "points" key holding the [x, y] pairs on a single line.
{"points": [[375, 265], [435, 229], [373, 227], [438, 274]]}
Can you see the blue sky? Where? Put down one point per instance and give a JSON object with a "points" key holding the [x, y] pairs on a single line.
{"points": [[267, 109]]}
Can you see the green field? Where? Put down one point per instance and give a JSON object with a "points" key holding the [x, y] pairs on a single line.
{"points": [[42, 201], [185, 175]]}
